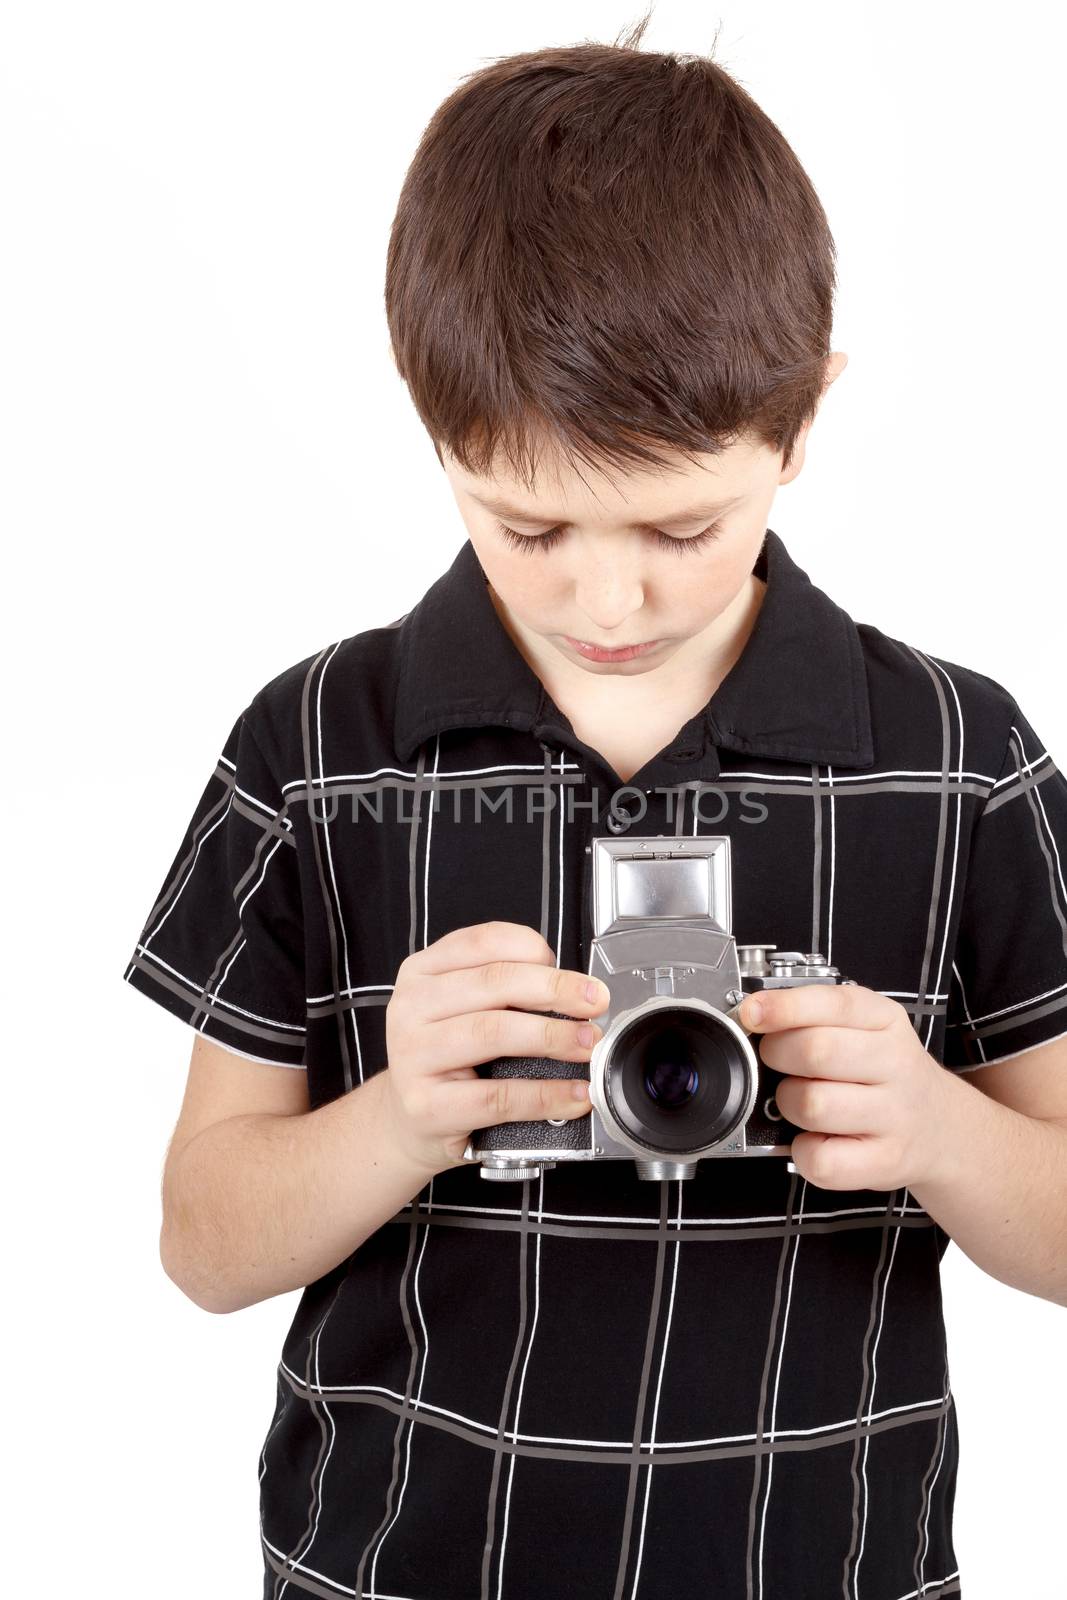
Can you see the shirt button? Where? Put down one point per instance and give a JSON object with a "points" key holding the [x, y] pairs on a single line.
{"points": [[620, 816]]}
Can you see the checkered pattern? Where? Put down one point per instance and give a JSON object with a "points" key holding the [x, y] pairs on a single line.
{"points": [[590, 1384]]}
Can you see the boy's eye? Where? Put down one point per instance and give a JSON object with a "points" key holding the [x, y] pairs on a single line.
{"points": [[544, 541]]}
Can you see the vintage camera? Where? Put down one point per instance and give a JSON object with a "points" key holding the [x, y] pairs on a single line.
{"points": [[675, 1077]]}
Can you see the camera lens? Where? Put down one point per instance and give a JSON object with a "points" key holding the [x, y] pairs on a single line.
{"points": [[677, 1079], [669, 1080]]}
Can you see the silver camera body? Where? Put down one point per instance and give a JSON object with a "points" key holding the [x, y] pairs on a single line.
{"points": [[675, 1077]]}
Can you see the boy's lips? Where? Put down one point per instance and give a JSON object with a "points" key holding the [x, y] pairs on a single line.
{"points": [[594, 652]]}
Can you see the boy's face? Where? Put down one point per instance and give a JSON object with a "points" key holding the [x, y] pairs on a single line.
{"points": [[597, 569]]}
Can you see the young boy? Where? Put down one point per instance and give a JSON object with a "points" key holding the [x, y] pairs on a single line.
{"points": [[609, 292]]}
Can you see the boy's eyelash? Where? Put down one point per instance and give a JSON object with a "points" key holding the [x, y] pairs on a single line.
{"points": [[530, 542]]}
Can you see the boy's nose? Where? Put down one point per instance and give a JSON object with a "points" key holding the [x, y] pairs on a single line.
{"points": [[608, 599]]}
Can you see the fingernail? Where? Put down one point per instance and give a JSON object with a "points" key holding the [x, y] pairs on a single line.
{"points": [[585, 1034], [580, 1089], [751, 1012], [595, 990]]}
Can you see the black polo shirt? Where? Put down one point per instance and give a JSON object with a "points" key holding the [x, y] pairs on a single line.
{"points": [[590, 1384]]}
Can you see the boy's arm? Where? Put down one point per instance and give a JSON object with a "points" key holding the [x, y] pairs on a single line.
{"points": [[262, 1195], [998, 1185], [1033, 1082], [878, 1111], [1001, 1193]]}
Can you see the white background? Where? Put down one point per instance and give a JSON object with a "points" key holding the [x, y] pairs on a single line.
{"points": [[210, 470]]}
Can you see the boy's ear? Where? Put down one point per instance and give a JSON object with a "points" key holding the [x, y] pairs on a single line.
{"points": [[796, 460], [835, 365]]}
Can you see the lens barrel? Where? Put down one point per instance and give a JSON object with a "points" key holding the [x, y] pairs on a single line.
{"points": [[677, 1079]]}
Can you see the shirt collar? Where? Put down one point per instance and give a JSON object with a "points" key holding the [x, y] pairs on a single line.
{"points": [[797, 692]]}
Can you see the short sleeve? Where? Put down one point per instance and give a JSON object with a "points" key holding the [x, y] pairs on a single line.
{"points": [[223, 946], [1008, 985]]}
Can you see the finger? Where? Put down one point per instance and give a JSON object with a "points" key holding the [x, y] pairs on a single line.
{"points": [[480, 1036], [834, 1161], [481, 942], [483, 1102], [819, 1052], [497, 984], [823, 1106], [842, 1005]]}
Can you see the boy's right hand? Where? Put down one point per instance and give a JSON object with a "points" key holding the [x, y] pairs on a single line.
{"points": [[449, 1012]]}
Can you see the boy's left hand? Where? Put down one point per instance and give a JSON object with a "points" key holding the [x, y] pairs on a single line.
{"points": [[872, 1100]]}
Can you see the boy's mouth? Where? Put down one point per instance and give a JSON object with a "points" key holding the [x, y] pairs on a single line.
{"points": [[594, 652]]}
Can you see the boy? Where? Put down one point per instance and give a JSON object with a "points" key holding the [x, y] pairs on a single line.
{"points": [[588, 1383]]}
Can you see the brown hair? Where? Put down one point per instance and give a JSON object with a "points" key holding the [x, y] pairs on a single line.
{"points": [[613, 249]]}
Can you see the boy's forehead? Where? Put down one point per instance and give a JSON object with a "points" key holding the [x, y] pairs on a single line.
{"points": [[558, 490]]}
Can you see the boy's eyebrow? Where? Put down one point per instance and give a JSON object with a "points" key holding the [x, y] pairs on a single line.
{"points": [[500, 508]]}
